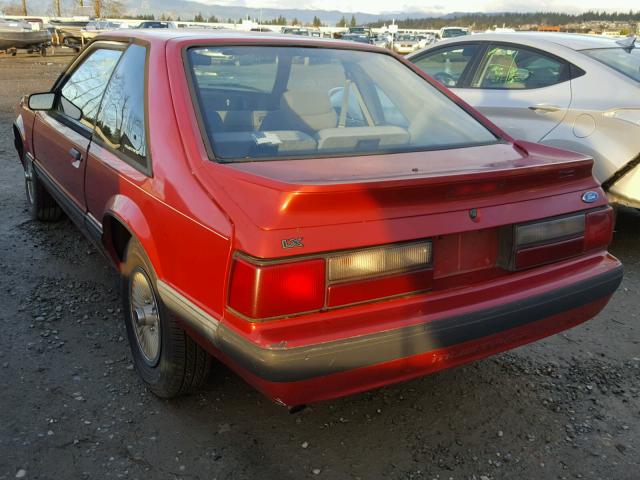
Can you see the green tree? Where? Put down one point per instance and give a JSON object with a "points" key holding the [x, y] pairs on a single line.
{"points": [[342, 22], [199, 18], [213, 19], [353, 22], [316, 22], [295, 21]]}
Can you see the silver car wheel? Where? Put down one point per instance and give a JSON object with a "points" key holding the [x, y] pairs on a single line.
{"points": [[145, 317]]}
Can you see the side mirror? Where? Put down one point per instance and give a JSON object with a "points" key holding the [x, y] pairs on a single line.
{"points": [[41, 101]]}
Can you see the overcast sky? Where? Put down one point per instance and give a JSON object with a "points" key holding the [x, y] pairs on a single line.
{"points": [[441, 6]]}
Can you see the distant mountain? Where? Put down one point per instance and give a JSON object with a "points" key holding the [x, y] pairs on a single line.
{"points": [[186, 9]]}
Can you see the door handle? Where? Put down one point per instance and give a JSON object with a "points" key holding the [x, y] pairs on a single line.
{"points": [[76, 157], [544, 108]]}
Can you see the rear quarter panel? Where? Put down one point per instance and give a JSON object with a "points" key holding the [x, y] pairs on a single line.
{"points": [[184, 233]]}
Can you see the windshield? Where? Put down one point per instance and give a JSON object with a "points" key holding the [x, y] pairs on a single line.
{"points": [[291, 102], [626, 61], [406, 38]]}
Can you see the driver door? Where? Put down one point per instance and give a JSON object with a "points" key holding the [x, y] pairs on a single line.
{"points": [[61, 136]]}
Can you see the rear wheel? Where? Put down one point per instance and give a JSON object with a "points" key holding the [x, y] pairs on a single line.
{"points": [[167, 359], [42, 206]]}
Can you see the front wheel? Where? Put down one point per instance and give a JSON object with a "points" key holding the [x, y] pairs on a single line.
{"points": [[165, 357], [42, 206]]}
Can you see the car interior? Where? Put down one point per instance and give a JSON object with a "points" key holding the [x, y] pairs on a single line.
{"points": [[517, 68], [297, 103]]}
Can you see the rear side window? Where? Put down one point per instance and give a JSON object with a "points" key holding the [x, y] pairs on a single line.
{"points": [[85, 86], [448, 64], [121, 121], [516, 68]]}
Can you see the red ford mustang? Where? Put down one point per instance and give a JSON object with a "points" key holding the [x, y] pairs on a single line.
{"points": [[318, 215]]}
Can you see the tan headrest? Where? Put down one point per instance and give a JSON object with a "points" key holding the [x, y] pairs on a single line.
{"points": [[312, 106]]}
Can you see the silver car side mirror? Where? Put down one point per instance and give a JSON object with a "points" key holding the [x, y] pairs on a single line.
{"points": [[41, 101]]}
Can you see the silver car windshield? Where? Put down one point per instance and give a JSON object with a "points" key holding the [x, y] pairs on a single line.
{"points": [[626, 61], [272, 103]]}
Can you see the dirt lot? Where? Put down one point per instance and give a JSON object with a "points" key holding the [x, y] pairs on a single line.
{"points": [[72, 407]]}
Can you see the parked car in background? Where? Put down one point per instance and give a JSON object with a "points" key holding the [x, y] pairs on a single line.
{"points": [[95, 27], [452, 32], [425, 40], [69, 32], [319, 215], [577, 92], [156, 24], [365, 31], [296, 31], [382, 40], [356, 37], [405, 43]]}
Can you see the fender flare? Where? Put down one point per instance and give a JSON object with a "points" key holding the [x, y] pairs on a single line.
{"points": [[20, 137], [125, 211]]}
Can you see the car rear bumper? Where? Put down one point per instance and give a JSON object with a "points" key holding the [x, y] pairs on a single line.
{"points": [[319, 371]]}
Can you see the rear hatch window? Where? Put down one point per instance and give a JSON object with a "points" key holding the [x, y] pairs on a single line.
{"points": [[262, 103]]}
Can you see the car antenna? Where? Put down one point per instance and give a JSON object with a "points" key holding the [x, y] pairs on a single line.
{"points": [[627, 43]]}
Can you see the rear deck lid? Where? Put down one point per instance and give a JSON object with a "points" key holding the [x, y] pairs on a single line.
{"points": [[293, 194]]}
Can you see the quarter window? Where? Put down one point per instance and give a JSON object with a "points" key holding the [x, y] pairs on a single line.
{"points": [[518, 68], [121, 122], [85, 86], [448, 64]]}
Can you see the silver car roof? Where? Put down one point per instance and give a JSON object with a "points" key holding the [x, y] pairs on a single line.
{"points": [[573, 41]]}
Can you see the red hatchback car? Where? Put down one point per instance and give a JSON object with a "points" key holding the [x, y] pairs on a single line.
{"points": [[319, 215]]}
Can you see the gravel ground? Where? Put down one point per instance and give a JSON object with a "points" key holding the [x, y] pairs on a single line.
{"points": [[71, 405]]}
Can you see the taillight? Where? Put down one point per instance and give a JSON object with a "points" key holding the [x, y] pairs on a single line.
{"points": [[549, 230], [268, 289], [379, 272], [273, 290], [599, 229], [537, 243]]}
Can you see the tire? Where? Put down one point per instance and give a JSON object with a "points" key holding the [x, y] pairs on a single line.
{"points": [[166, 358], [42, 206]]}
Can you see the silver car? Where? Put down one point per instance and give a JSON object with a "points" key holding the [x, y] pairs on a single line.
{"points": [[576, 92]]}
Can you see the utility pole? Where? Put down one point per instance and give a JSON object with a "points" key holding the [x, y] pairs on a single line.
{"points": [[24, 7], [56, 7], [97, 8]]}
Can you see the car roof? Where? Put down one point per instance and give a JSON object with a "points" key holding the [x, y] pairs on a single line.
{"points": [[163, 35], [574, 41]]}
